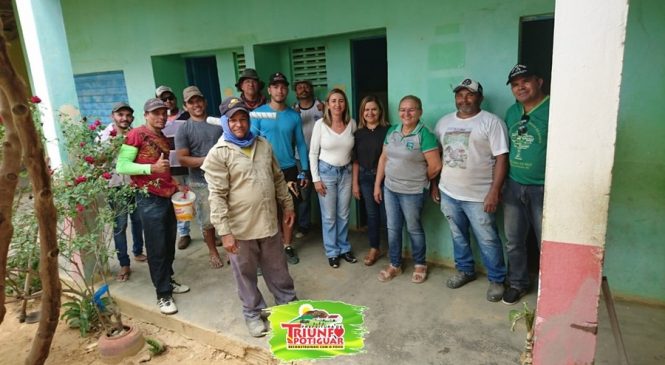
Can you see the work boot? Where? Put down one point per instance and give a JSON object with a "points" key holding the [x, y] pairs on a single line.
{"points": [[183, 242], [256, 327], [495, 292], [460, 279]]}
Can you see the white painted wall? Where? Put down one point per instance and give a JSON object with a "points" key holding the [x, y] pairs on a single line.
{"points": [[586, 78]]}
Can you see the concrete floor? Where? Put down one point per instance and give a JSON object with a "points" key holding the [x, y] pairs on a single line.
{"points": [[407, 323]]}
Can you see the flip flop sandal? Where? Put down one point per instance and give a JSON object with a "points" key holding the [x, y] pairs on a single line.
{"points": [[124, 274], [389, 273], [215, 262], [419, 275]]}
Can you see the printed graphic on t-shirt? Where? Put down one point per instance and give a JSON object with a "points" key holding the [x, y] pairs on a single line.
{"points": [[455, 148], [520, 142]]}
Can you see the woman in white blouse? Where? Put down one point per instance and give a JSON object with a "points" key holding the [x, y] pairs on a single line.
{"points": [[330, 162]]}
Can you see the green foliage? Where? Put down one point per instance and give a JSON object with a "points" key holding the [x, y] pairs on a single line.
{"points": [[155, 346], [525, 313]]}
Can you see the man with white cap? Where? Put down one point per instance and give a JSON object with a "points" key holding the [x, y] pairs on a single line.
{"points": [[475, 162], [246, 184], [143, 157]]}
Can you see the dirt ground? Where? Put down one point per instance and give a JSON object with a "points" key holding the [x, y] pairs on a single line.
{"points": [[69, 348]]}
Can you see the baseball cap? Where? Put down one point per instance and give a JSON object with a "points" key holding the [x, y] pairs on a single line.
{"points": [[162, 89], [520, 70], [278, 77], [190, 92], [153, 104], [471, 85], [231, 105], [121, 105]]}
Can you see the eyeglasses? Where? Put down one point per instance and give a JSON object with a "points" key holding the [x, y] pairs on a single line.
{"points": [[167, 98], [521, 129]]}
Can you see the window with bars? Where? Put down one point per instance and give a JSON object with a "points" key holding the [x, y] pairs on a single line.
{"points": [[309, 63], [239, 59]]}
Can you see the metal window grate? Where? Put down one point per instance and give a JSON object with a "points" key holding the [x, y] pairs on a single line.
{"points": [[239, 59], [309, 63]]}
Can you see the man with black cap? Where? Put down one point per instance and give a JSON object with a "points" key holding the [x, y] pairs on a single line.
{"points": [[282, 127], [475, 160], [143, 157], [250, 86], [192, 142], [527, 122], [246, 184], [174, 119], [122, 116], [311, 110]]}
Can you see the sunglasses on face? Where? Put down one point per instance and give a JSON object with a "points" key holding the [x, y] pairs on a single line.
{"points": [[521, 128], [167, 98]]}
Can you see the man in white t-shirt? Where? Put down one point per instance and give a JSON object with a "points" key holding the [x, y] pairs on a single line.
{"points": [[475, 163]]}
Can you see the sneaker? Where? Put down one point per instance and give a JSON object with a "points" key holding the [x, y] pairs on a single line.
{"points": [[167, 305], [349, 257], [495, 291], [256, 327], [333, 262], [178, 288], [460, 279], [183, 242], [291, 255], [299, 235], [512, 295]]}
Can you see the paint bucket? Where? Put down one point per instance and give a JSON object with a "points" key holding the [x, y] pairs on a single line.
{"points": [[183, 204]]}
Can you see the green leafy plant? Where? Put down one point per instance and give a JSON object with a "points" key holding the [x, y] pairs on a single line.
{"points": [[528, 315], [155, 346]]}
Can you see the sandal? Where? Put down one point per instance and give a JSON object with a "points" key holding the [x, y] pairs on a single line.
{"points": [[215, 262], [124, 274], [389, 273], [419, 274], [140, 258], [372, 256]]}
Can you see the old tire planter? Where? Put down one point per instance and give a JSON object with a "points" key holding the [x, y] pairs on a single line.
{"points": [[114, 348]]}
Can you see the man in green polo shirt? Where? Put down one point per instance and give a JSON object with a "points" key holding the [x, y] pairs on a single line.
{"points": [[527, 122]]}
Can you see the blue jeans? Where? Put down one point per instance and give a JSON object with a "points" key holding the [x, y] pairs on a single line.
{"points": [[463, 215], [335, 208], [376, 213], [305, 206], [158, 220], [522, 208], [401, 208], [120, 228]]}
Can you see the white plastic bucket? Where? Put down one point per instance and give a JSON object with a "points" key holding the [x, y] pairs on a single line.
{"points": [[183, 204]]}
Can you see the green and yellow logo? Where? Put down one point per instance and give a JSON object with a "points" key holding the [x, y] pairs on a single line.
{"points": [[308, 330]]}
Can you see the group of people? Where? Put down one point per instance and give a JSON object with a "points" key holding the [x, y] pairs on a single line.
{"points": [[251, 176]]}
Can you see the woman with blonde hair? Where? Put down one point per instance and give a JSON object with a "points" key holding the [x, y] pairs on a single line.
{"points": [[410, 159], [372, 128], [330, 163]]}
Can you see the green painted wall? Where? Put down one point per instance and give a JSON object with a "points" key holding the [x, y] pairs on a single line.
{"points": [[430, 47], [636, 234]]}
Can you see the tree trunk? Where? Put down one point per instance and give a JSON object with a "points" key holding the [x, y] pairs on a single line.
{"points": [[15, 91]]}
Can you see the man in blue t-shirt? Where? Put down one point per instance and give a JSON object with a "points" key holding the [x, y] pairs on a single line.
{"points": [[282, 127]]}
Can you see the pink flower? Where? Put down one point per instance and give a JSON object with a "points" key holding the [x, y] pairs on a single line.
{"points": [[89, 159], [113, 133], [80, 179], [82, 144], [92, 127], [35, 99], [80, 208], [107, 175], [97, 123]]}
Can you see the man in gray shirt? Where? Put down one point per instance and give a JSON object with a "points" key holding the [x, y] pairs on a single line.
{"points": [[193, 140]]}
